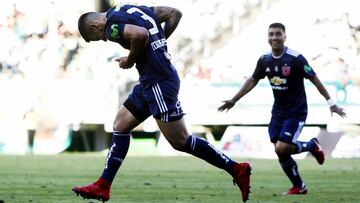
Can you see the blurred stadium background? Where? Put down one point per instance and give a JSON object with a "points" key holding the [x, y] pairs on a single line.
{"points": [[60, 94]]}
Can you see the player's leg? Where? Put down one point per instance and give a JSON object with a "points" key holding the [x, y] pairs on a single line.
{"points": [[289, 166], [124, 122], [178, 136], [312, 146], [131, 114], [167, 111], [285, 146], [100, 189], [180, 139]]}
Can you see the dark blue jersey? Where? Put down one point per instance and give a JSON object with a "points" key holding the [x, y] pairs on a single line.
{"points": [[154, 63], [286, 75]]}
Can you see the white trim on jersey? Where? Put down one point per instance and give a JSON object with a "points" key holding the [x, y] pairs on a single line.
{"points": [[160, 102], [292, 52], [267, 53], [287, 50]]}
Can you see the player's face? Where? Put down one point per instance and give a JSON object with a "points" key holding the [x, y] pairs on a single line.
{"points": [[96, 32], [276, 38], [96, 35]]}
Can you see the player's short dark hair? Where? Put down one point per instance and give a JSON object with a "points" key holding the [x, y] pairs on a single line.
{"points": [[83, 27], [278, 25]]}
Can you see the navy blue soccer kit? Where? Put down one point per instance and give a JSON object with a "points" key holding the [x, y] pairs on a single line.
{"points": [[157, 92], [156, 95], [286, 75]]}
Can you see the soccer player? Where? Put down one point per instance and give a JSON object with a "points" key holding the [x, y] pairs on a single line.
{"points": [[138, 28], [286, 70]]}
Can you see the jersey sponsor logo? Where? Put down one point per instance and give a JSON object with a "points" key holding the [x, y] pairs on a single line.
{"points": [[276, 83], [307, 68], [279, 87], [276, 80], [285, 70], [114, 31]]}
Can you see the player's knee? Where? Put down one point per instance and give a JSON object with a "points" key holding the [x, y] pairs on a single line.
{"points": [[282, 150], [116, 125], [178, 144], [119, 125]]}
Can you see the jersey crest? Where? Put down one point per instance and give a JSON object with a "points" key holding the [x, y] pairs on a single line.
{"points": [[285, 70]]}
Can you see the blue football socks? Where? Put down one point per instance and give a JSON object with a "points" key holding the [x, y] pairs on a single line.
{"points": [[116, 155], [304, 146], [206, 151], [290, 168]]}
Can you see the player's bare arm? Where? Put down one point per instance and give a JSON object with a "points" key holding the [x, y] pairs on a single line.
{"points": [[249, 84], [138, 37], [170, 16], [321, 88]]}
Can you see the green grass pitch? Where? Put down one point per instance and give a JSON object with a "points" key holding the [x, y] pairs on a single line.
{"points": [[45, 179]]}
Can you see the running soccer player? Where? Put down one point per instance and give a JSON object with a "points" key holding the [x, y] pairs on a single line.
{"points": [[138, 28], [286, 70]]}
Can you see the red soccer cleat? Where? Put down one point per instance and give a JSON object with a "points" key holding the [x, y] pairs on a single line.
{"points": [[297, 190], [99, 190], [317, 152], [242, 172]]}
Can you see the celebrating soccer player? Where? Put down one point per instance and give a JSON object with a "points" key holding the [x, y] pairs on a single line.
{"points": [[138, 28], [286, 70]]}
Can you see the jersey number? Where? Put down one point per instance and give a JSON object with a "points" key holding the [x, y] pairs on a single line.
{"points": [[153, 30]]}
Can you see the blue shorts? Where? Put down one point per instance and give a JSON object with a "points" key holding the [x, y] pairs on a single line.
{"points": [[160, 100], [286, 130]]}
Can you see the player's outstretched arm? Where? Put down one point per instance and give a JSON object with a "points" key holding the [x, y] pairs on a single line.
{"points": [[333, 106], [170, 16], [249, 84]]}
